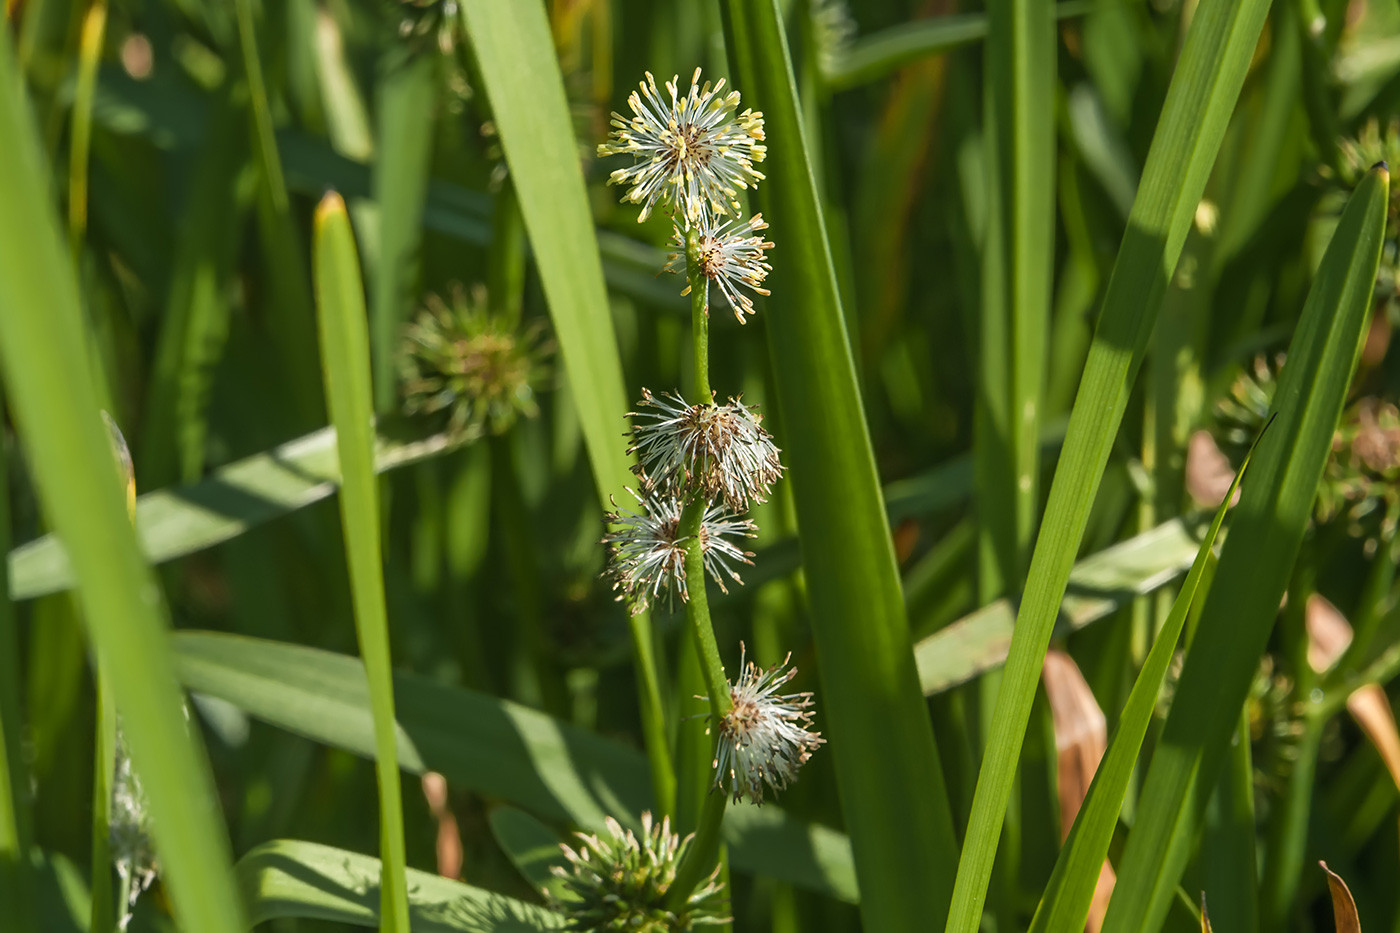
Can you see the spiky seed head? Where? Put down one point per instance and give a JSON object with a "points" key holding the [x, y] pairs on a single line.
{"points": [[620, 881], [460, 359]]}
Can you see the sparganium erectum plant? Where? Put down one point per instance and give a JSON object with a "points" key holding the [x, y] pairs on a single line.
{"points": [[701, 465]]}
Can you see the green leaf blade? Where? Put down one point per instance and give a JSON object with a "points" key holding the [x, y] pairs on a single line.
{"points": [[895, 803], [289, 878], [1256, 562], [1067, 898], [1204, 88], [340, 310], [54, 399]]}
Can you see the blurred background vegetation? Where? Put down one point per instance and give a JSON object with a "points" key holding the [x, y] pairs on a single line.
{"points": [[189, 143]]}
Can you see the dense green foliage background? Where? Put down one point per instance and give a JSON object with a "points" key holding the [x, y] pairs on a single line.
{"points": [[988, 185]]}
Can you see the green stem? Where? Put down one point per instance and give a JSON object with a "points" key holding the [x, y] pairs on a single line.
{"points": [[123, 899], [697, 609], [699, 858], [699, 314], [663, 772]]}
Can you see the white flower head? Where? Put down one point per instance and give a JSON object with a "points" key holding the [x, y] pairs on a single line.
{"points": [[731, 256], [620, 882], [721, 450], [129, 831], [694, 151], [763, 737], [647, 550]]}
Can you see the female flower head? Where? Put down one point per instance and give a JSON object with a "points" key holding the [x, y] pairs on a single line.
{"points": [[763, 738], [721, 450], [647, 550], [731, 255], [693, 151], [620, 882]]}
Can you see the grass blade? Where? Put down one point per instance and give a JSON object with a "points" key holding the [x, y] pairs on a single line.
{"points": [[340, 309], [518, 65], [288, 878], [1065, 903], [1256, 563], [233, 500], [896, 807], [55, 404], [520, 71], [1202, 95]]}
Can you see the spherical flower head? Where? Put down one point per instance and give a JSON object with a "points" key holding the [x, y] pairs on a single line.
{"points": [[460, 359], [731, 256], [693, 152], [620, 882], [720, 450], [647, 550], [763, 738]]}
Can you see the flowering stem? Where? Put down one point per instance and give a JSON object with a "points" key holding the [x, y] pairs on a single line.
{"points": [[699, 314], [697, 608], [699, 858]]}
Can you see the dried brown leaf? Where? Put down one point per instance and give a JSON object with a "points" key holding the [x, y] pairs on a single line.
{"points": [[1343, 907], [1081, 737], [1370, 707]]}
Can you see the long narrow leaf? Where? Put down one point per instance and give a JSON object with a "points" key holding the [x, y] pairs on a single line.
{"points": [[895, 805], [1065, 903], [1202, 95], [497, 748], [288, 878], [55, 404], [518, 65], [340, 309], [1256, 562], [521, 73]]}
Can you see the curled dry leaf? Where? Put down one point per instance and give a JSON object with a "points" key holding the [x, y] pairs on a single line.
{"points": [[1081, 738], [1343, 907], [1329, 635]]}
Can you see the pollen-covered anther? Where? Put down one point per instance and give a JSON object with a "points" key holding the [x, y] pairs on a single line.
{"points": [[731, 256], [693, 151]]}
